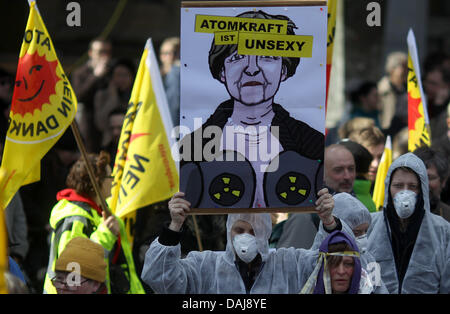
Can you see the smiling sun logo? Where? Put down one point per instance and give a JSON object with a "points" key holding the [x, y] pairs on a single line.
{"points": [[35, 83]]}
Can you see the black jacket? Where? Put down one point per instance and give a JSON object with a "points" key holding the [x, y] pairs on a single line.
{"points": [[403, 241], [294, 135]]}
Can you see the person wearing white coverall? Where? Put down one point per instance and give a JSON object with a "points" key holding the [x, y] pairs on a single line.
{"points": [[246, 266], [411, 244], [356, 215]]}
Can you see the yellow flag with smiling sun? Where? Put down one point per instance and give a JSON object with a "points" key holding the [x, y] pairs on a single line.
{"points": [[43, 106]]}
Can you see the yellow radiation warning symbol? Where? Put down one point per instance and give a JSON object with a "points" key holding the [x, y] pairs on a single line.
{"points": [[293, 188], [226, 189]]}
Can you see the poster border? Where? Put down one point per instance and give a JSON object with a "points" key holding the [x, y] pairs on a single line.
{"points": [[270, 3], [217, 211]]}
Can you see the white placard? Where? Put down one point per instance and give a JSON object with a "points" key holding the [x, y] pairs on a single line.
{"points": [[302, 94]]}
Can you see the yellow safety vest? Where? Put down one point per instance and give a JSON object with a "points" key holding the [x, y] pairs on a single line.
{"points": [[75, 219]]}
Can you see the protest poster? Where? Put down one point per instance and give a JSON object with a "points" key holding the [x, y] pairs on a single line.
{"points": [[252, 117]]}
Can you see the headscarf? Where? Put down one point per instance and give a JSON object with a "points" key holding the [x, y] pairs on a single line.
{"points": [[323, 281]]}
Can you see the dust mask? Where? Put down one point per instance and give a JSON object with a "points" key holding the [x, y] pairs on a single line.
{"points": [[405, 203], [245, 247], [361, 241]]}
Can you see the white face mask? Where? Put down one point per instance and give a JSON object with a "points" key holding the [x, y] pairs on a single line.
{"points": [[405, 203], [361, 241], [245, 246]]}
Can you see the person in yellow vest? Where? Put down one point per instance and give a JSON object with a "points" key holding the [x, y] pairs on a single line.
{"points": [[78, 214]]}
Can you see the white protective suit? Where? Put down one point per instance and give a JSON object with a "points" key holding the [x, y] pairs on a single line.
{"points": [[284, 270], [354, 213], [429, 265]]}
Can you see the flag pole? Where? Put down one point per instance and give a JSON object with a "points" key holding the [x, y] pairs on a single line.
{"points": [[3, 241], [76, 133], [197, 234]]}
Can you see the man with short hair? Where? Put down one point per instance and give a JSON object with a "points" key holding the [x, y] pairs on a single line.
{"points": [[86, 80], [393, 92], [81, 268], [436, 85], [437, 170], [442, 144], [340, 169]]}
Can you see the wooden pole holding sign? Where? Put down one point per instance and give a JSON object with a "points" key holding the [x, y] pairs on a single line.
{"points": [[4, 263], [97, 190], [197, 234], [268, 34]]}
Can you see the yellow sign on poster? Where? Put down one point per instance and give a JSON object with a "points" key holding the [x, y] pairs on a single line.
{"points": [[213, 24], [275, 45]]}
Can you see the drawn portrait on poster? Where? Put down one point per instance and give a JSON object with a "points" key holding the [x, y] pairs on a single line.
{"points": [[252, 114]]}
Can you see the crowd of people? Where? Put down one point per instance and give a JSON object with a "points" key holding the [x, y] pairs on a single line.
{"points": [[348, 246]]}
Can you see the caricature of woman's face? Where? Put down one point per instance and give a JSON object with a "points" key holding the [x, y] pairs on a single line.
{"points": [[252, 79]]}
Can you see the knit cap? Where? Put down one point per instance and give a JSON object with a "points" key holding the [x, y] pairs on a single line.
{"points": [[88, 254]]}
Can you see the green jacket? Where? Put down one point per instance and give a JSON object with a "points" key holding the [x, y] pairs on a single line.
{"points": [[70, 219], [362, 192]]}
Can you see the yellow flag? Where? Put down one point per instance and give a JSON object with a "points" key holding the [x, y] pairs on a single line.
{"points": [[144, 170], [3, 242], [331, 29], [43, 106], [418, 123], [383, 167]]}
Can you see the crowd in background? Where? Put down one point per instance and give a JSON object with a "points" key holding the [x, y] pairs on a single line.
{"points": [[103, 87]]}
